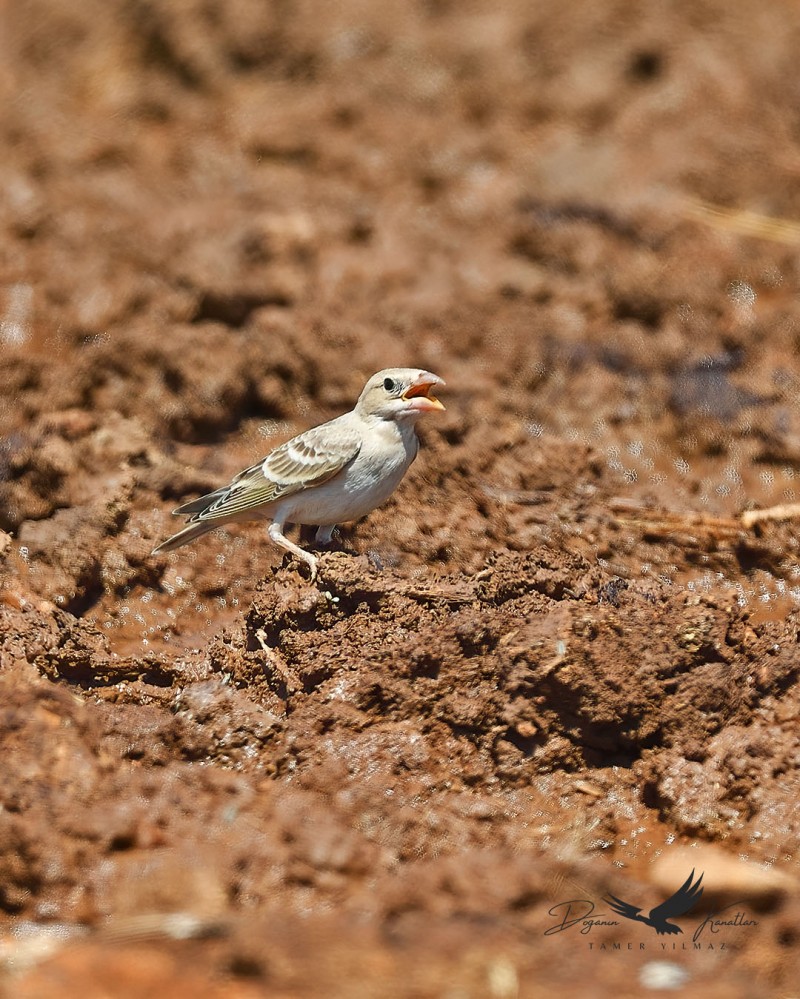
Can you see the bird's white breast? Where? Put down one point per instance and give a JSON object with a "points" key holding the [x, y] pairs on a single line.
{"points": [[387, 450]]}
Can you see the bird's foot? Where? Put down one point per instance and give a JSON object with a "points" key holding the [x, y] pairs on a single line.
{"points": [[336, 547], [333, 544], [292, 561], [313, 564]]}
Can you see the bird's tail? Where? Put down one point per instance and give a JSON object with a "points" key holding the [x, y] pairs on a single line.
{"points": [[189, 533]]}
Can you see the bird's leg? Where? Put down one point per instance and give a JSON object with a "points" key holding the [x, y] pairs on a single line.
{"points": [[324, 535], [276, 534], [324, 539]]}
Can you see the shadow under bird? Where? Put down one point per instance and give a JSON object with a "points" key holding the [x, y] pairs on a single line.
{"points": [[328, 475], [676, 905]]}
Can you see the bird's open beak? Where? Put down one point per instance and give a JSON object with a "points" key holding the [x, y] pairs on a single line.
{"points": [[420, 392]]}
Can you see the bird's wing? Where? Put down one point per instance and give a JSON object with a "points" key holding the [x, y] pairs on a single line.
{"points": [[307, 460], [679, 903], [622, 908]]}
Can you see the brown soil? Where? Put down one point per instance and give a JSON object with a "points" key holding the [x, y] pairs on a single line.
{"points": [[557, 663]]}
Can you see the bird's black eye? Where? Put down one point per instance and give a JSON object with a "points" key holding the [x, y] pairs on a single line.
{"points": [[388, 384]]}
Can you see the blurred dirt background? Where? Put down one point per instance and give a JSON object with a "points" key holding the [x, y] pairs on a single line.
{"points": [[560, 661]]}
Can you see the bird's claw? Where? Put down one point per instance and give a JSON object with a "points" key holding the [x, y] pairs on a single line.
{"points": [[313, 567]]}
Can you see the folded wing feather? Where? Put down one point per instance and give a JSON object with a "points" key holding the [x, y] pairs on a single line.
{"points": [[309, 459]]}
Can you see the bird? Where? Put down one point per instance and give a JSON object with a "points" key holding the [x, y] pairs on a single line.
{"points": [[331, 474], [676, 905]]}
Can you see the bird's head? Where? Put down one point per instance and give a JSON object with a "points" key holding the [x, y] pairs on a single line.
{"points": [[400, 394]]}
